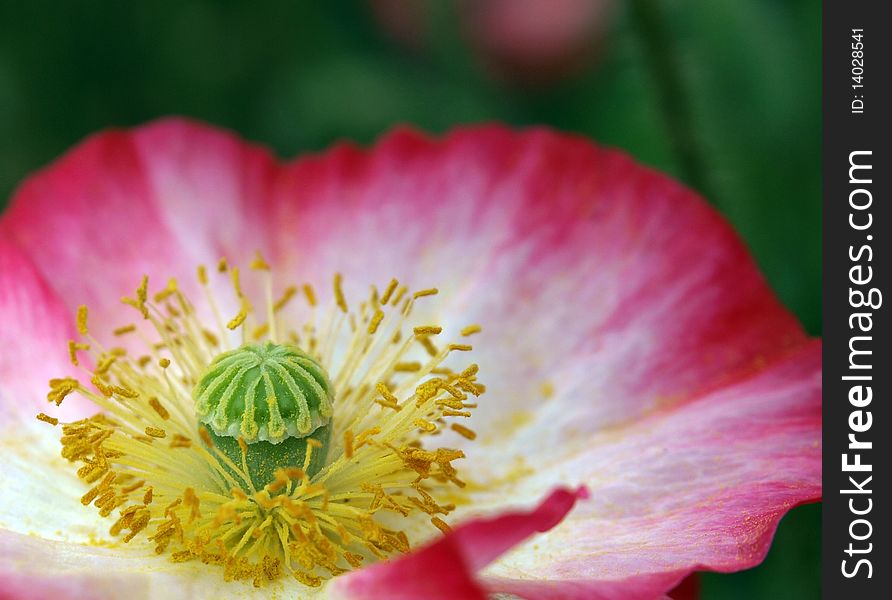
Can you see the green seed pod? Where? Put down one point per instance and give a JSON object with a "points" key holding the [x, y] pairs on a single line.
{"points": [[264, 458], [274, 397]]}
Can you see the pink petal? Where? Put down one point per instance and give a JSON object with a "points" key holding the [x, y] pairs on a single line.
{"points": [[33, 337], [16, 586], [701, 486], [157, 201], [603, 279], [32, 568], [445, 569]]}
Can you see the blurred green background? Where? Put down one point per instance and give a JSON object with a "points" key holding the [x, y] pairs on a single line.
{"points": [[723, 94]]}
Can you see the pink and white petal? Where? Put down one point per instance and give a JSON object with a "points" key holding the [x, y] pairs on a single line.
{"points": [[33, 480], [35, 568], [158, 200], [33, 338], [445, 569], [559, 248], [701, 486]]}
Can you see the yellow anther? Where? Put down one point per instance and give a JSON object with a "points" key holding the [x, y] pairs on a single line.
{"points": [[348, 444], [260, 331], [471, 330], [386, 393], [427, 292], [98, 489], [60, 388], [202, 273], [365, 436], [180, 441], [124, 330], [376, 320], [142, 292], [441, 524], [451, 403], [82, 319], [456, 413], [310, 294], [222, 265], [156, 432], [210, 338], [237, 282], [241, 316], [460, 347], [167, 292], [191, 500], [205, 436], [463, 431], [427, 330], [104, 389], [124, 392], [73, 348], [259, 264], [339, 293], [286, 297], [388, 291], [47, 419], [402, 291], [104, 364], [425, 425], [164, 363], [388, 404]]}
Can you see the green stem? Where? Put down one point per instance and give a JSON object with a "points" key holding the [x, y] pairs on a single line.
{"points": [[662, 61]]}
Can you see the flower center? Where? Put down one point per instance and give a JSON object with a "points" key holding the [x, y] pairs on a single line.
{"points": [[273, 400], [306, 457]]}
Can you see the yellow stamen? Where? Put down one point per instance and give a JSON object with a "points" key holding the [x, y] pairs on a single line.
{"points": [[73, 348], [427, 330], [471, 330], [47, 419], [259, 263], [82, 320], [339, 293], [463, 431], [155, 473], [286, 297], [156, 432], [310, 294]]}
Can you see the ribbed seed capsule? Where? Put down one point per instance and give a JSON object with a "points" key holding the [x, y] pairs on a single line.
{"points": [[272, 396]]}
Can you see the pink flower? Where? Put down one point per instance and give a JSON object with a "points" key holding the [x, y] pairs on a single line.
{"points": [[629, 348], [529, 42]]}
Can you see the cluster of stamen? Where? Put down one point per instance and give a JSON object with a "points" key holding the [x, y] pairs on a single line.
{"points": [[154, 470]]}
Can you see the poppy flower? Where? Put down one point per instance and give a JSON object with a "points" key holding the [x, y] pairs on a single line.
{"points": [[526, 42], [498, 361]]}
